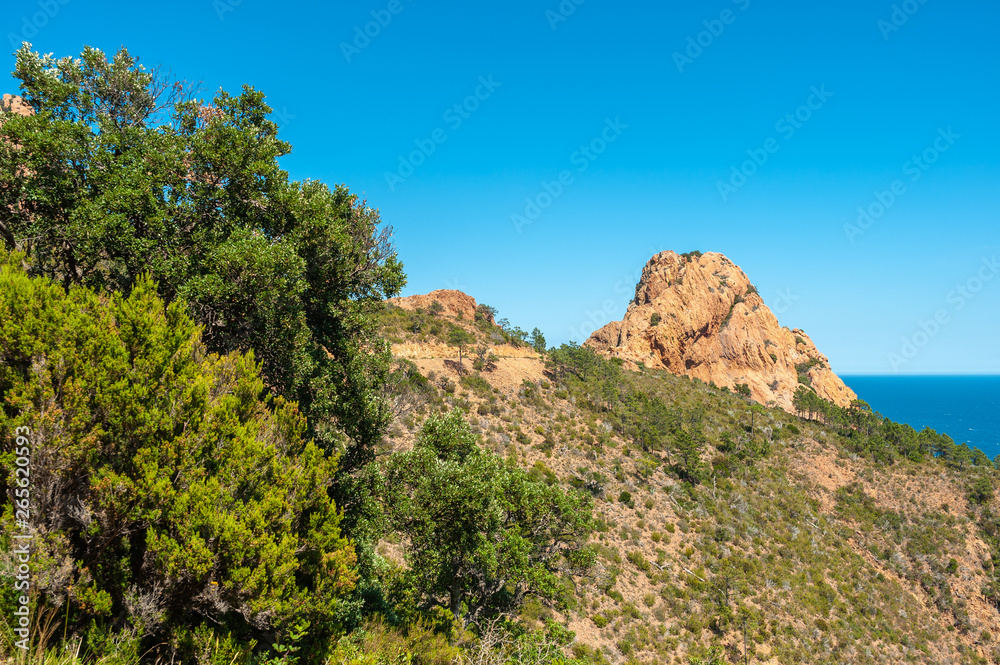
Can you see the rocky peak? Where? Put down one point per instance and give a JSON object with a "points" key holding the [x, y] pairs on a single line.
{"points": [[698, 315], [454, 304]]}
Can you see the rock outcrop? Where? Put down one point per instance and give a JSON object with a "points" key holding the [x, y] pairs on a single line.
{"points": [[454, 303], [15, 104], [698, 315]]}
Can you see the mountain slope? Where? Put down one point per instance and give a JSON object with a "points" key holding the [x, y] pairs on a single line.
{"points": [[825, 551]]}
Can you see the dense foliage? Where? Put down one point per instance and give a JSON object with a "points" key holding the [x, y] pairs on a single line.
{"points": [[481, 535], [169, 491], [119, 171]]}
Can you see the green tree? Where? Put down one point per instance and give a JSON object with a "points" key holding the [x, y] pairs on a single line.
{"points": [[960, 455], [573, 359], [115, 174], [805, 400], [688, 447], [981, 491], [743, 390], [755, 410], [485, 314], [538, 340], [169, 489], [461, 338], [481, 534]]}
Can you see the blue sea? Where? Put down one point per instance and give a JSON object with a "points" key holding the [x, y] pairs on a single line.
{"points": [[966, 408]]}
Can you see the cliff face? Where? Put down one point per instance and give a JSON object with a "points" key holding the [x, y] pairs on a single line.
{"points": [[715, 327]]}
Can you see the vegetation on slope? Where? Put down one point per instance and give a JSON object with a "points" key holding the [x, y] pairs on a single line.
{"points": [[822, 538]]}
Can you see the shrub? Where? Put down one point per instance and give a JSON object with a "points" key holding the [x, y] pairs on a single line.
{"points": [[654, 319], [477, 384], [981, 491], [199, 499], [625, 497], [636, 558]]}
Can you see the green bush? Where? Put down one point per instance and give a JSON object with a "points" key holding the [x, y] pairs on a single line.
{"points": [[636, 558], [507, 536], [477, 385], [199, 500], [981, 491]]}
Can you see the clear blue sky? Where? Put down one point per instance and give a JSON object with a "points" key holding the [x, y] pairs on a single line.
{"points": [[678, 126]]}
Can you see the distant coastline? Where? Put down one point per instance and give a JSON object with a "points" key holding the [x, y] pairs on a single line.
{"points": [[966, 407]]}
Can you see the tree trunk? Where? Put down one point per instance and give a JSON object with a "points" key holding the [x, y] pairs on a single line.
{"points": [[456, 598]]}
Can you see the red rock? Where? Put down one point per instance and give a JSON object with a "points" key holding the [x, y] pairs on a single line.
{"points": [[455, 303], [715, 327]]}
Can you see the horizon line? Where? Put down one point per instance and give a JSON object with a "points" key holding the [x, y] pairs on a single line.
{"points": [[909, 375]]}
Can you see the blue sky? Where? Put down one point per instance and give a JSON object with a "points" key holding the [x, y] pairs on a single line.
{"points": [[643, 111]]}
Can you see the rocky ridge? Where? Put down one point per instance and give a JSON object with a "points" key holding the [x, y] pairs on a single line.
{"points": [[698, 315], [454, 303]]}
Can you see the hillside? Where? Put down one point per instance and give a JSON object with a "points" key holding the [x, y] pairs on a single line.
{"points": [[698, 315], [828, 541]]}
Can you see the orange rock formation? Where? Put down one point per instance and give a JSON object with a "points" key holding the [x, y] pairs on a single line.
{"points": [[455, 303], [712, 325]]}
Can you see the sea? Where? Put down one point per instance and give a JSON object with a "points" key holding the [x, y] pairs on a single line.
{"points": [[966, 408]]}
